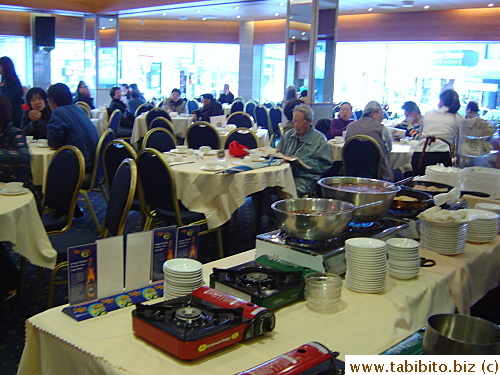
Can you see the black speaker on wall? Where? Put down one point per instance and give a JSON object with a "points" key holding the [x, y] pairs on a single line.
{"points": [[45, 32]]}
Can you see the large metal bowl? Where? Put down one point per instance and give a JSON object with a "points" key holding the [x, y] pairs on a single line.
{"points": [[313, 218], [331, 187], [454, 334]]}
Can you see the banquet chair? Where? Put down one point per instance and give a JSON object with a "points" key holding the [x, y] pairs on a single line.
{"points": [[237, 106], [275, 118], [144, 107], [244, 136], [262, 117], [120, 201], [160, 139], [161, 196], [96, 180], [201, 133], [114, 120], [323, 125], [85, 107], [250, 108], [114, 153], [362, 157], [268, 105], [192, 105], [162, 122], [154, 113], [240, 119]]}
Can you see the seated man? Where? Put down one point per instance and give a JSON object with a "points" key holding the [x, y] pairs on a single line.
{"points": [[211, 107], [127, 119], [226, 96], [371, 124], [135, 101], [69, 125], [309, 146], [413, 119], [175, 103]]}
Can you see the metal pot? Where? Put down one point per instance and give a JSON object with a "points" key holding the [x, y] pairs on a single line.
{"points": [[423, 201], [314, 218], [331, 187], [460, 334]]}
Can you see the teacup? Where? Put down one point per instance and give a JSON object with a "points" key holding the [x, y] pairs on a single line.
{"points": [[339, 139], [255, 157], [14, 187], [177, 159], [190, 151], [43, 142], [174, 114], [212, 164], [205, 149], [182, 148], [247, 159], [230, 127], [29, 138]]}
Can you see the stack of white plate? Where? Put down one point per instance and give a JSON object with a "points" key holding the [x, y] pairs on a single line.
{"points": [[488, 207], [444, 237], [445, 175], [404, 258], [484, 228], [366, 260], [182, 276]]}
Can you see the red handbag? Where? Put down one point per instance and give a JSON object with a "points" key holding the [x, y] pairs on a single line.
{"points": [[237, 149]]}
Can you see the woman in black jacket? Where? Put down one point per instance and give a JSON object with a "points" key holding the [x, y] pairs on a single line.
{"points": [[35, 119], [11, 87], [82, 94]]}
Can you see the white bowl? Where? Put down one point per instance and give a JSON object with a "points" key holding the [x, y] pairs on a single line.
{"points": [[182, 265]]}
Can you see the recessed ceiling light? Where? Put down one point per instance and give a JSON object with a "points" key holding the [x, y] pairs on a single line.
{"points": [[236, 7], [491, 4], [281, 4], [276, 14], [110, 20], [164, 14], [387, 6], [303, 33], [182, 18], [293, 37], [198, 11], [238, 16], [204, 19], [370, 9], [102, 28], [426, 7], [407, 3]]}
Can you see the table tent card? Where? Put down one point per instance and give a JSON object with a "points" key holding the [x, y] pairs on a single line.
{"points": [[187, 242], [82, 273], [164, 241], [138, 261], [218, 121]]}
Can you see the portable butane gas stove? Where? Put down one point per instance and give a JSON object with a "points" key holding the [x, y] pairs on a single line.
{"points": [[265, 282], [198, 324], [326, 255]]}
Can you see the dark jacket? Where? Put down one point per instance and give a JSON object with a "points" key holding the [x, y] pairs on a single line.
{"points": [[127, 120], [229, 98], [14, 91], [212, 109], [37, 129], [86, 99]]}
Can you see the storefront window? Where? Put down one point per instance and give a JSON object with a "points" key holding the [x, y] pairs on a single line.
{"points": [[393, 73], [273, 67]]}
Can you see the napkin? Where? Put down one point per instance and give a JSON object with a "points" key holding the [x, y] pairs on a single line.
{"points": [[252, 166], [440, 199], [437, 214]]}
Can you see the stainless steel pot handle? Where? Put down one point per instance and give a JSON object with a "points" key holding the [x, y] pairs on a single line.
{"points": [[368, 205]]}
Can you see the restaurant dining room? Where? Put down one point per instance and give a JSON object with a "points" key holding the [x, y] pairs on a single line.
{"points": [[251, 187]]}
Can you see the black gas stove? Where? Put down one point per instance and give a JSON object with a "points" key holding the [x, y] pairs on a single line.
{"points": [[260, 284]]}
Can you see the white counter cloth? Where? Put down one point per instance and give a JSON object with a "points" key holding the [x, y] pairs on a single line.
{"points": [[368, 324], [40, 157], [20, 223], [399, 158], [180, 123], [217, 196]]}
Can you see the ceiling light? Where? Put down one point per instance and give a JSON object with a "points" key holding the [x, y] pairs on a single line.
{"points": [[387, 6], [370, 9], [182, 18], [491, 4], [293, 37], [238, 16], [204, 19], [103, 28], [407, 3], [164, 14], [236, 7], [303, 33], [276, 14], [281, 4], [426, 7], [110, 20], [198, 11]]}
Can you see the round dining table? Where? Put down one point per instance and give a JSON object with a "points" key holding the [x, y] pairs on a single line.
{"points": [[218, 195], [20, 224], [40, 158]]}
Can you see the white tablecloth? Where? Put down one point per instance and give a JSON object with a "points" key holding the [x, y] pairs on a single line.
{"points": [[40, 157], [20, 223], [399, 158], [262, 136], [181, 124], [101, 114], [217, 196], [368, 324]]}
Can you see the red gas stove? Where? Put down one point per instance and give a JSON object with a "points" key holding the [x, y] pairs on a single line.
{"points": [[198, 324]]}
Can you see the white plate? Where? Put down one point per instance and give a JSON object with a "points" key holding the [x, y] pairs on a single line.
{"points": [[211, 152], [176, 151], [182, 265], [6, 192], [42, 146], [205, 168]]}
